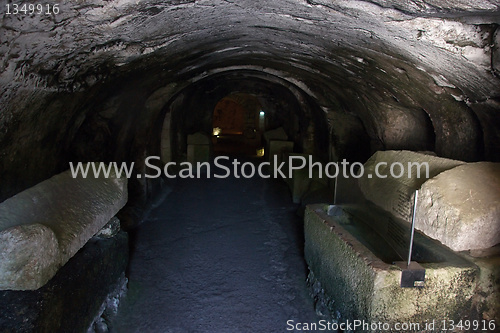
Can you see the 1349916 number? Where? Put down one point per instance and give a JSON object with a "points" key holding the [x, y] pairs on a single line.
{"points": [[32, 8], [467, 325]]}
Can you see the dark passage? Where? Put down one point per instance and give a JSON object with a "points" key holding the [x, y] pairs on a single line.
{"points": [[219, 255]]}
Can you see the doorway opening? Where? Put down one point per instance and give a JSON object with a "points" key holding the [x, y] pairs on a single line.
{"points": [[238, 123]]}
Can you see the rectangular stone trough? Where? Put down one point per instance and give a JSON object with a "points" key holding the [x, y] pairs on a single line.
{"points": [[44, 226], [354, 265]]}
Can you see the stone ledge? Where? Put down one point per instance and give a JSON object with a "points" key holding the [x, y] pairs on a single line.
{"points": [[42, 227], [71, 300]]}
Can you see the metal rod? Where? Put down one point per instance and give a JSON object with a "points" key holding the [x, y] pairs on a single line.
{"points": [[335, 191], [412, 226]]}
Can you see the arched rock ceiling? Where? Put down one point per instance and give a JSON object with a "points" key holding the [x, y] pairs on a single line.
{"points": [[334, 40]]}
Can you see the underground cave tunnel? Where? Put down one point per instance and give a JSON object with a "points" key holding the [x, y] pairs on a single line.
{"points": [[188, 81]]}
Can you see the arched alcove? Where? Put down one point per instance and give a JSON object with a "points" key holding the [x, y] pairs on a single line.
{"points": [[247, 103]]}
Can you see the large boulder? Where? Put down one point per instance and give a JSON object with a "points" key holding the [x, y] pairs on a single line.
{"points": [[28, 254], [461, 207]]}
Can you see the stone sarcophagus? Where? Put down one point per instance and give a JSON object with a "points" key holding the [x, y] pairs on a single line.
{"points": [[44, 226]]}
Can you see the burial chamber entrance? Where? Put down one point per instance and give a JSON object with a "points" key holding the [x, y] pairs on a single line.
{"points": [[239, 112], [238, 124]]}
